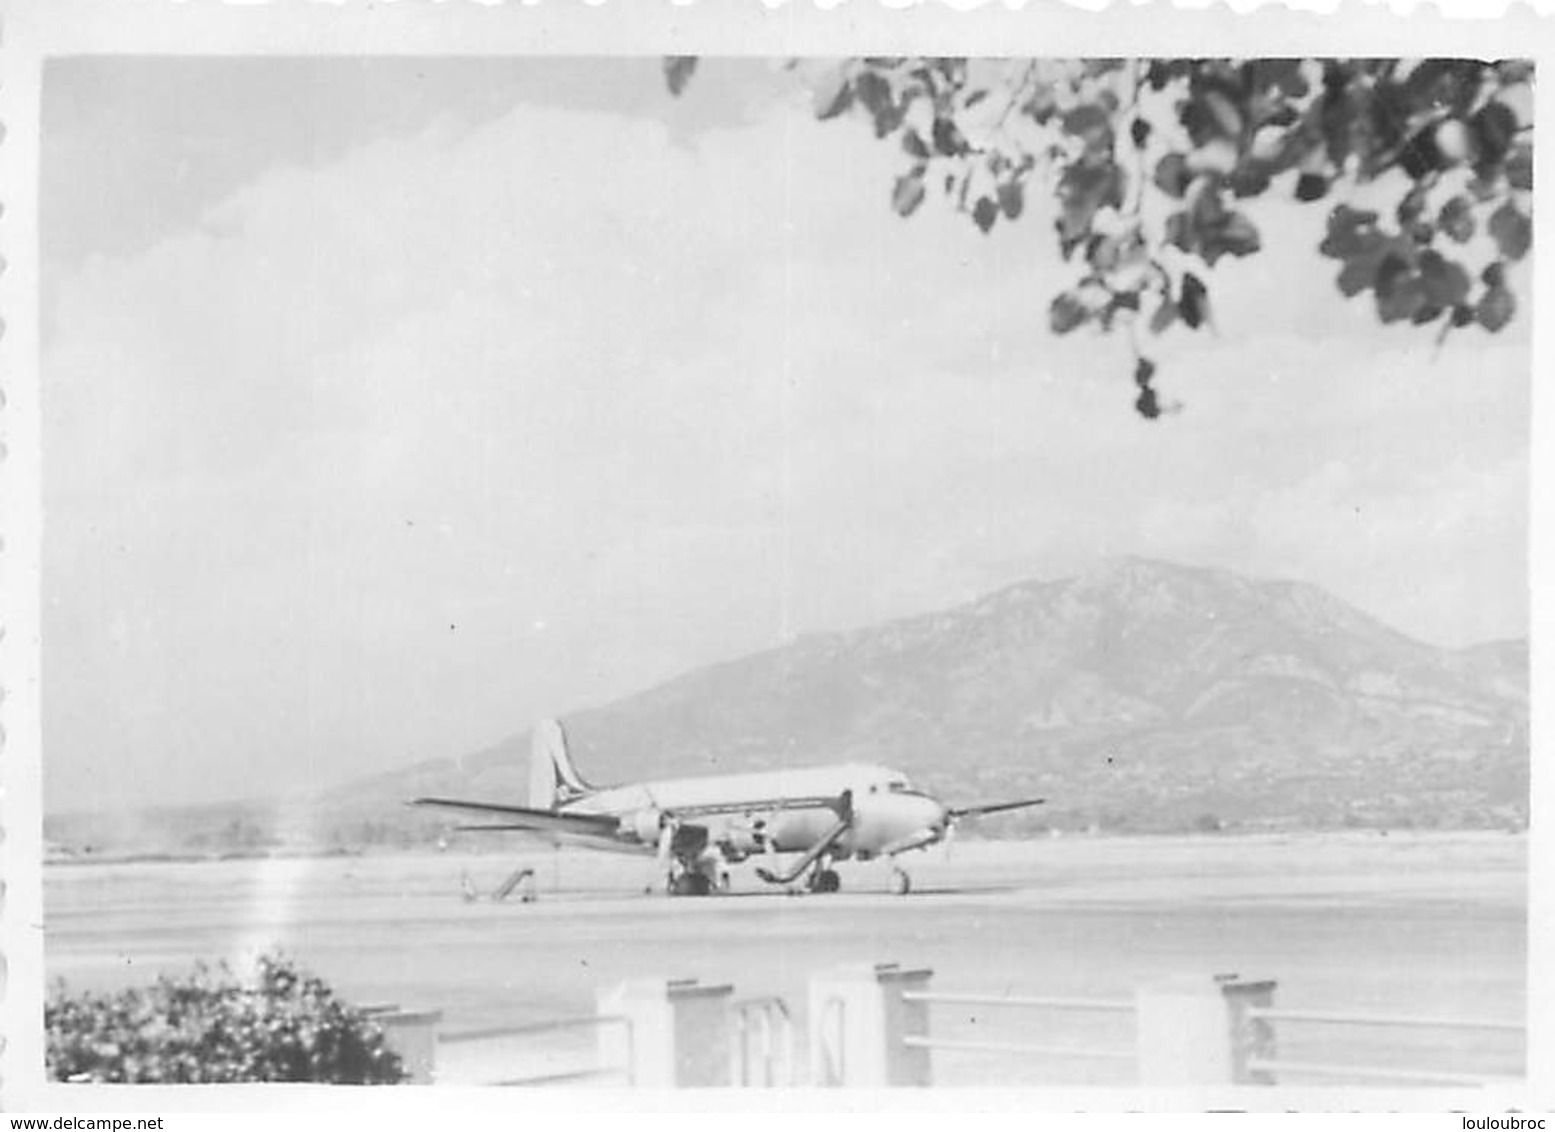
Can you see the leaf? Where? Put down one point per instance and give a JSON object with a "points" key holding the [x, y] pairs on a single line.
{"points": [[1511, 230], [908, 194], [678, 70], [1082, 189], [1209, 115], [1483, 188], [1494, 126], [1386, 115], [1457, 218], [1421, 155], [1402, 301], [1356, 276], [1444, 283], [1519, 167], [1225, 113], [874, 91], [1311, 186], [1101, 252], [1193, 301], [1282, 74], [1410, 206], [1172, 175], [1248, 179], [1496, 308], [1239, 235], [1351, 231], [1217, 232], [1163, 71], [1147, 404], [1442, 82], [912, 142], [1139, 132], [1144, 372], [948, 139], [1066, 313], [1179, 231], [1399, 289], [1515, 70], [833, 94], [985, 212], [1042, 105], [1012, 198], [1393, 269], [1337, 113], [1085, 119], [1164, 316]]}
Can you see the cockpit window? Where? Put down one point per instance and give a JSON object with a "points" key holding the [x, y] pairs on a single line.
{"points": [[897, 785]]}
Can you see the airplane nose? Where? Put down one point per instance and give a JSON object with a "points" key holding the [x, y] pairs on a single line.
{"points": [[936, 815]]}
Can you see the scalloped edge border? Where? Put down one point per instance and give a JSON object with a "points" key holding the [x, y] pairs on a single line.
{"points": [[32, 33]]}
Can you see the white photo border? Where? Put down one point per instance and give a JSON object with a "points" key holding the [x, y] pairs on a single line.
{"points": [[39, 31]]}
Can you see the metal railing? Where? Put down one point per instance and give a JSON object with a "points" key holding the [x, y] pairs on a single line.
{"points": [[876, 1025], [1029, 1002], [1383, 1073], [495, 1034], [763, 1046]]}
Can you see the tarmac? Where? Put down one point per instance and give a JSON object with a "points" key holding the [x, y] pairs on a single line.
{"points": [[1411, 923]]}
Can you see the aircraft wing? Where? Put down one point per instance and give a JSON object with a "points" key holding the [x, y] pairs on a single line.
{"points": [[994, 808], [594, 827]]}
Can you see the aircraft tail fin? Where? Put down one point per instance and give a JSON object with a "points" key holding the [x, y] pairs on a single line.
{"points": [[553, 780]]}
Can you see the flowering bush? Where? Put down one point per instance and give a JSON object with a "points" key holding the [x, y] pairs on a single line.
{"points": [[283, 1025]]}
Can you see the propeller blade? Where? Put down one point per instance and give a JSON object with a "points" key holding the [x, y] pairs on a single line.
{"points": [[917, 839], [994, 808], [666, 848]]}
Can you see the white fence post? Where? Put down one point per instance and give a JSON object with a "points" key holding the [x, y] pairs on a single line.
{"points": [[677, 1032], [1196, 1031], [413, 1035], [858, 1018]]}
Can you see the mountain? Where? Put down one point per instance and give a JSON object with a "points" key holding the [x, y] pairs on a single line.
{"points": [[1142, 695], [1139, 696]]}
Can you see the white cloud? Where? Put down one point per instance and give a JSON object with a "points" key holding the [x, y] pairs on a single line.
{"points": [[326, 462]]}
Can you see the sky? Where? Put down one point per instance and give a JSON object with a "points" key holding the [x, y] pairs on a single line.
{"points": [[390, 406]]}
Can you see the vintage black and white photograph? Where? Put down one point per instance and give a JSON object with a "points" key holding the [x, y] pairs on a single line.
{"points": [[712, 569]]}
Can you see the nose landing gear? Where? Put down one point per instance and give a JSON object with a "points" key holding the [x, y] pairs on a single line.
{"points": [[901, 883]]}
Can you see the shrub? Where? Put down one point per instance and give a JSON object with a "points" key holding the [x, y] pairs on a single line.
{"points": [[210, 1027]]}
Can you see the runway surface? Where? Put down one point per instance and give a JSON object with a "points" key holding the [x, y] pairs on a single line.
{"points": [[1417, 923]]}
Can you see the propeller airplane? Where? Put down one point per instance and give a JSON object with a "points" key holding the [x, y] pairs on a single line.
{"points": [[696, 827]]}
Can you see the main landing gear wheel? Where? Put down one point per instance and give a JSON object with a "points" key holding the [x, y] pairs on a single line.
{"points": [[691, 884], [826, 880], [901, 883]]}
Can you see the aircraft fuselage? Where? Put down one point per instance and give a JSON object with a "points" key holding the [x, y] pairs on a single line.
{"points": [[780, 811]]}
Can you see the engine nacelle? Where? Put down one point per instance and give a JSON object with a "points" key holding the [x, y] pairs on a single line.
{"points": [[647, 825], [741, 839], [644, 824]]}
